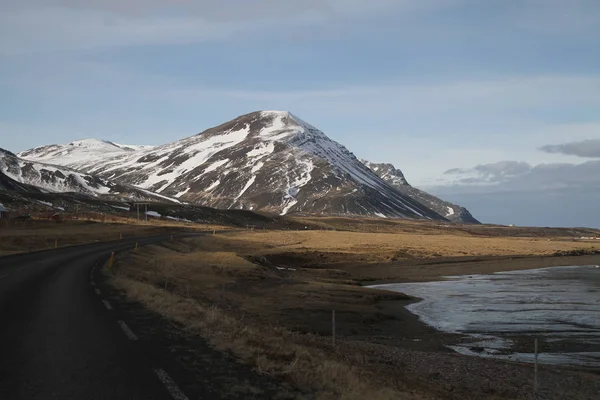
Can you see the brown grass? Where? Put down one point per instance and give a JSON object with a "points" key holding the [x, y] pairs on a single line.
{"points": [[267, 297], [382, 247], [277, 321], [32, 235], [304, 360]]}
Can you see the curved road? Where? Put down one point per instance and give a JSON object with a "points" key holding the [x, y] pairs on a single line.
{"points": [[60, 340]]}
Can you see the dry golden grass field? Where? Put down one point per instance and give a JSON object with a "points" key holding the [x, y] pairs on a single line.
{"points": [[268, 297]]}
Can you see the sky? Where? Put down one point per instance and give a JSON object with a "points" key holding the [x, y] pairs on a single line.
{"points": [[491, 104]]}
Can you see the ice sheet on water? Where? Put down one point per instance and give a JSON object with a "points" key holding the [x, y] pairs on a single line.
{"points": [[562, 302]]}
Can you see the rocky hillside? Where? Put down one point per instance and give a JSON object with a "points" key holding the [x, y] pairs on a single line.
{"points": [[396, 178], [270, 161], [19, 175]]}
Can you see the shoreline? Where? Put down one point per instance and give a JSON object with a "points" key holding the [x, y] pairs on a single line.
{"points": [[428, 338], [436, 269]]}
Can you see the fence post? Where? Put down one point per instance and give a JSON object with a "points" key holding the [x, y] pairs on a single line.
{"points": [[333, 328], [535, 377]]}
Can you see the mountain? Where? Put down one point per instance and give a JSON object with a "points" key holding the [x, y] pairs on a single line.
{"points": [[19, 175], [396, 178], [79, 151], [269, 160]]}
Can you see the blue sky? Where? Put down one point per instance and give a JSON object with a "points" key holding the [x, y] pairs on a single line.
{"points": [[429, 85]]}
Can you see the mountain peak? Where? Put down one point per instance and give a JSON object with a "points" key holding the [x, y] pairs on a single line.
{"points": [[267, 160]]}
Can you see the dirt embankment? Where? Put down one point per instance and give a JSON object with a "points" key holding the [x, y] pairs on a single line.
{"points": [[268, 298]]}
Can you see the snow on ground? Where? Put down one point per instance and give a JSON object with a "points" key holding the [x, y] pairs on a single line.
{"points": [[289, 199], [248, 184], [380, 215], [153, 214], [149, 193], [450, 212], [178, 195], [257, 167], [122, 208], [213, 185], [214, 166], [262, 150]]}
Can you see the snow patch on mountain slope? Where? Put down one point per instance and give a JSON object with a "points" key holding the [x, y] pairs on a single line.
{"points": [[214, 166], [213, 185], [262, 150], [246, 187], [178, 195], [79, 151], [294, 187]]}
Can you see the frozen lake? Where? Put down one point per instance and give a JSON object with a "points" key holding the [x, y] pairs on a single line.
{"points": [[502, 313]]}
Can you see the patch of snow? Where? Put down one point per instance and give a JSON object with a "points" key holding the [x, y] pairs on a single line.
{"points": [[257, 167], [122, 208], [248, 184], [213, 185], [46, 203], [178, 195], [60, 208], [214, 166], [262, 150], [153, 214], [380, 215], [450, 211]]}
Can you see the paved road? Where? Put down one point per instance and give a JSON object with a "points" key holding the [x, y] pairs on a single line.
{"points": [[59, 340]]}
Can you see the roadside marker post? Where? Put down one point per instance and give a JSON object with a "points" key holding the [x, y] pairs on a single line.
{"points": [[333, 328], [111, 261], [136, 245], [535, 378]]}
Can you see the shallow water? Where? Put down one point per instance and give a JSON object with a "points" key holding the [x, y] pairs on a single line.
{"points": [[502, 313]]}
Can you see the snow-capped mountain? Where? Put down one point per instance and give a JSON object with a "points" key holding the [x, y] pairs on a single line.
{"points": [[79, 151], [19, 175], [270, 160], [395, 178]]}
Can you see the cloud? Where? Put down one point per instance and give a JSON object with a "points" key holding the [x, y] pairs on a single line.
{"points": [[587, 148], [511, 192], [520, 176], [490, 173], [37, 25]]}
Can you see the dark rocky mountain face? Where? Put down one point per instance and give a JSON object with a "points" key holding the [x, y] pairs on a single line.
{"points": [[396, 179], [269, 161]]}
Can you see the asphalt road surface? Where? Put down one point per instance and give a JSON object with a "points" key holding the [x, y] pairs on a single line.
{"points": [[61, 339]]}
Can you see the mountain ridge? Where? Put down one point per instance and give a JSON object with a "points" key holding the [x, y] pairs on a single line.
{"points": [[266, 160]]}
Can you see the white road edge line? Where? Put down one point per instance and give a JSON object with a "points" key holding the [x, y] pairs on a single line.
{"points": [[107, 305], [128, 332], [98, 292], [170, 385]]}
